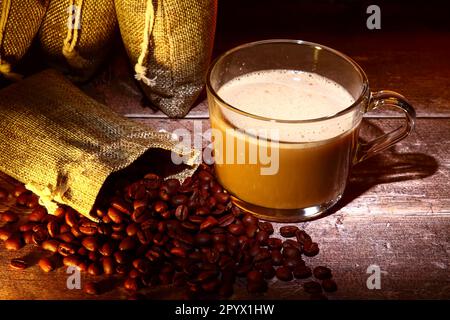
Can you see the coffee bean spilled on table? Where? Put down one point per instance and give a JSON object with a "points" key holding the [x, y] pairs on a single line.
{"points": [[156, 232]]}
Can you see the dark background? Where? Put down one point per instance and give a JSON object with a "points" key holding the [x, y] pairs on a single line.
{"points": [[247, 20]]}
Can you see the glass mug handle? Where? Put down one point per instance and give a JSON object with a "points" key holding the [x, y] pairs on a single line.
{"points": [[379, 99]]}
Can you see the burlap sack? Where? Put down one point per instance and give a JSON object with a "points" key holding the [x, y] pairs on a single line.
{"points": [[63, 145], [169, 43], [76, 35], [19, 23]]}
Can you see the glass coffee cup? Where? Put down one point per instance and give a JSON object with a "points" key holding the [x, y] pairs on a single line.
{"points": [[285, 118]]}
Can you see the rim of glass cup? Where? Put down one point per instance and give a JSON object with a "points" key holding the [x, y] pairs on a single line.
{"points": [[365, 82]]}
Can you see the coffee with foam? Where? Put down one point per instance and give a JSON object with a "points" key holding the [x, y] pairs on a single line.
{"points": [[312, 157]]}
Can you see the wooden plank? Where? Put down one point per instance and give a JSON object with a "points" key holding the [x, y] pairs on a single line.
{"points": [[413, 255], [392, 60], [411, 178]]}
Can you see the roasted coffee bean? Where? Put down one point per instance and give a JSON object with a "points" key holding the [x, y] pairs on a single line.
{"points": [[37, 215], [310, 249], [302, 237], [14, 242], [145, 236], [262, 236], [322, 272], [106, 249], [288, 231], [236, 229], [88, 228], [249, 219], [64, 228], [312, 287], [127, 244], [220, 237], [329, 285], [23, 199], [293, 244], [27, 226], [196, 219], [76, 232], [266, 226], [118, 235], [202, 211], [263, 254], [53, 228], [18, 264], [3, 194], [182, 212], [122, 269], [66, 237], [160, 206], [94, 269], [222, 197], [178, 252], [9, 217], [91, 288], [291, 252], [46, 264], [131, 284], [19, 190], [250, 230], [301, 271], [5, 233], [255, 276], [243, 269], [291, 262], [284, 274], [179, 200], [66, 249], [257, 287], [72, 261], [274, 243], [28, 237], [82, 251], [226, 220], [90, 243], [108, 265], [115, 215], [202, 239], [121, 205], [268, 270], [93, 256], [209, 223], [71, 218], [205, 176], [132, 229], [50, 245]]}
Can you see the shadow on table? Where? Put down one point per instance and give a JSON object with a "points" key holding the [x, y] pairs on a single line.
{"points": [[387, 167]]}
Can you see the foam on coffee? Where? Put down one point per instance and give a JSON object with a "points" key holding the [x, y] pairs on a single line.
{"points": [[289, 95]]}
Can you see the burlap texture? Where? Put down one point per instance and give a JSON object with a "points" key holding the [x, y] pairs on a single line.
{"points": [[169, 43], [78, 52], [19, 23], [63, 145]]}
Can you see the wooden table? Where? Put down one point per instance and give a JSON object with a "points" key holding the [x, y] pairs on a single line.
{"points": [[396, 210]]}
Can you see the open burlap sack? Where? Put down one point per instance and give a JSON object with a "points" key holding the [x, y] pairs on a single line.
{"points": [[76, 35], [63, 145], [169, 43], [19, 23]]}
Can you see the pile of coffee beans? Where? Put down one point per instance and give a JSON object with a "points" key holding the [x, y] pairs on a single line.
{"points": [[160, 232]]}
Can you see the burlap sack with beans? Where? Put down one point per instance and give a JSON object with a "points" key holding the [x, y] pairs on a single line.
{"points": [[63, 145], [77, 34], [169, 43], [19, 23]]}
